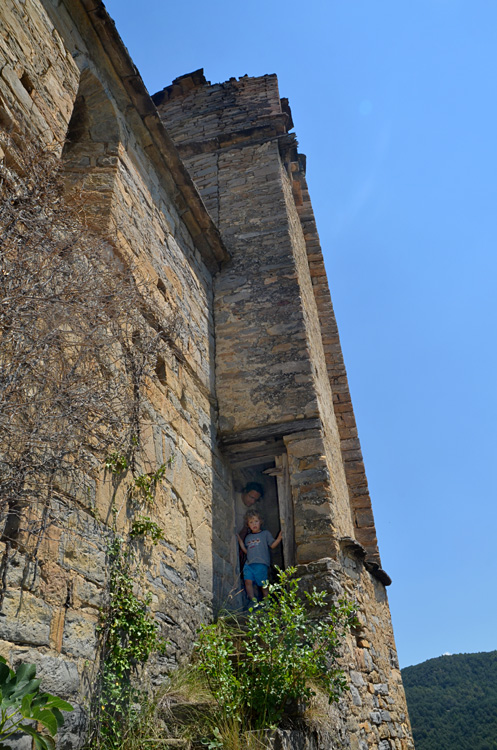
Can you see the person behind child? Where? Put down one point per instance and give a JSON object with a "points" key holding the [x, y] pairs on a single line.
{"points": [[249, 498], [256, 546]]}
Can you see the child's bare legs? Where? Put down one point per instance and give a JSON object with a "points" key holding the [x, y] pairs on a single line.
{"points": [[265, 593], [249, 588]]}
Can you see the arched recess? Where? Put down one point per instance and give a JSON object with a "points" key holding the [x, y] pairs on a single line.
{"points": [[91, 151]]}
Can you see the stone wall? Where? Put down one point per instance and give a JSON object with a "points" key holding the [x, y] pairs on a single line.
{"points": [[280, 373], [278, 359], [63, 70], [262, 206], [374, 713], [249, 378]]}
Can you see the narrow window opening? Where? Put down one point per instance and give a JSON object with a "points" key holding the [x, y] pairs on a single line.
{"points": [[12, 525], [27, 83], [162, 288], [78, 124], [160, 370], [90, 153]]}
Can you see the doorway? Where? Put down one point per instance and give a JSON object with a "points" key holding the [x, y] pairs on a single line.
{"points": [[271, 473]]}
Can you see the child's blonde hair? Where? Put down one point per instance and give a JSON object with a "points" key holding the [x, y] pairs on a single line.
{"points": [[253, 514]]}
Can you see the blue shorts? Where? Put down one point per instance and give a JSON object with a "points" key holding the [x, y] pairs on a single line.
{"points": [[256, 572]]}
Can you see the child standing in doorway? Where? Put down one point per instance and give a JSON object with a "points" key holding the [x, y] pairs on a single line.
{"points": [[256, 546]]}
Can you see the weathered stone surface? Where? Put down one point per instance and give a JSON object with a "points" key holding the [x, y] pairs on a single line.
{"points": [[253, 363], [26, 619], [79, 637], [71, 735], [78, 554], [58, 674]]}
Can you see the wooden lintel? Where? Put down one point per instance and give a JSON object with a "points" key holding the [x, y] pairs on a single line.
{"points": [[250, 454], [265, 432]]}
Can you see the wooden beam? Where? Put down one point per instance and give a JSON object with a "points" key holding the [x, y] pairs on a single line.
{"points": [[286, 509], [265, 432]]}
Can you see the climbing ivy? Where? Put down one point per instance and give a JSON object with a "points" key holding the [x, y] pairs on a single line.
{"points": [[129, 637], [116, 462], [145, 527]]}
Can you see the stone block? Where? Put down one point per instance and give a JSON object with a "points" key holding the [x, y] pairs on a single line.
{"points": [[357, 678], [356, 698], [20, 93], [58, 675], [79, 636], [87, 594], [78, 554], [314, 550], [55, 583], [381, 688], [71, 735], [25, 620], [15, 571]]}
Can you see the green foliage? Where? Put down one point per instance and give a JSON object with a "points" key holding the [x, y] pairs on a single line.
{"points": [[145, 527], [130, 636], [256, 673], [452, 702], [117, 463], [21, 699], [216, 741], [147, 483]]}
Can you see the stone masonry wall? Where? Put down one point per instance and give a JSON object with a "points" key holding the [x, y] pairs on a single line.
{"points": [[211, 125], [373, 714], [253, 363], [270, 364], [51, 54], [278, 359], [360, 500]]}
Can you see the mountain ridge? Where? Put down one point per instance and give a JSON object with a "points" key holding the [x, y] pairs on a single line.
{"points": [[452, 701]]}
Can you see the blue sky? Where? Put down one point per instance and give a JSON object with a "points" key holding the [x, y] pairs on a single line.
{"points": [[395, 105]]}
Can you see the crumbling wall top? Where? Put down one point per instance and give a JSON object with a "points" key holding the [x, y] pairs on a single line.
{"points": [[201, 111]]}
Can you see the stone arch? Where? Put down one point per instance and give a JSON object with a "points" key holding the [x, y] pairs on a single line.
{"points": [[91, 150]]}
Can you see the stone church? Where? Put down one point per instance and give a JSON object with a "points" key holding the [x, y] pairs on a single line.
{"points": [[202, 187]]}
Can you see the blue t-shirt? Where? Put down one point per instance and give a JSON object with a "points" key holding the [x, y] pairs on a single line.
{"points": [[258, 547]]}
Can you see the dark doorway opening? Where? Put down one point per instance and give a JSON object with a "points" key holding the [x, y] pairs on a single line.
{"points": [[276, 504]]}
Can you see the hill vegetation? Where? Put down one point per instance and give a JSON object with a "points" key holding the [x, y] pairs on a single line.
{"points": [[452, 702]]}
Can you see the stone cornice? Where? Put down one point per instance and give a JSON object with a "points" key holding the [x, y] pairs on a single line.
{"points": [[162, 151]]}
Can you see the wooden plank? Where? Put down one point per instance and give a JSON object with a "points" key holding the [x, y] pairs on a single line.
{"points": [[286, 510], [253, 453], [267, 431]]}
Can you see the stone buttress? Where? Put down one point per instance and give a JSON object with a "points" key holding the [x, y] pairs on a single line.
{"points": [[280, 378]]}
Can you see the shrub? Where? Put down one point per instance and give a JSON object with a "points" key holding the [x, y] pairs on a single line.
{"points": [[21, 700], [256, 672], [129, 635]]}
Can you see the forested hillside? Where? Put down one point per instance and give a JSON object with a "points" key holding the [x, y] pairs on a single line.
{"points": [[453, 702]]}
